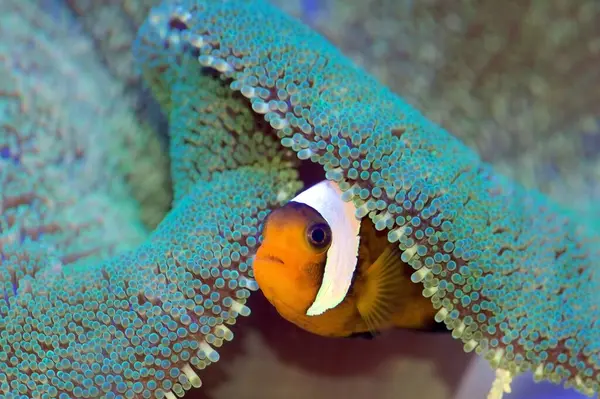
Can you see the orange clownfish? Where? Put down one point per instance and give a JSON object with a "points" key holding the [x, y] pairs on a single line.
{"points": [[335, 275]]}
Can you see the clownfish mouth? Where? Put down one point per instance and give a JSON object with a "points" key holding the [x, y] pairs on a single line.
{"points": [[268, 258]]}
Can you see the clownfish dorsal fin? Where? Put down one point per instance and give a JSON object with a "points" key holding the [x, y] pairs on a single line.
{"points": [[380, 294]]}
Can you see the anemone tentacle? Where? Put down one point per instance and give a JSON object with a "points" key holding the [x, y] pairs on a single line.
{"points": [[249, 93], [511, 272], [144, 322]]}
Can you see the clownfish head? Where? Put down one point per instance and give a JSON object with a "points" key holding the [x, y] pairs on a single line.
{"points": [[309, 252], [290, 262]]}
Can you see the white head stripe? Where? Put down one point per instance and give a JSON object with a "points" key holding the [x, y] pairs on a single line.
{"points": [[326, 198]]}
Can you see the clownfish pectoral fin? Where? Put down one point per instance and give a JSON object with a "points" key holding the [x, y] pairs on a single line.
{"points": [[381, 293]]}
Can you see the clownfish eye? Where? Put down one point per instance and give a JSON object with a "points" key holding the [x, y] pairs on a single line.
{"points": [[319, 235]]}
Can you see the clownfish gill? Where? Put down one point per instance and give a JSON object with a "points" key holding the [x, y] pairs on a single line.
{"points": [[335, 275]]}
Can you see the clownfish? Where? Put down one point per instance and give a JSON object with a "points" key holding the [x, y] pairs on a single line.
{"points": [[335, 275]]}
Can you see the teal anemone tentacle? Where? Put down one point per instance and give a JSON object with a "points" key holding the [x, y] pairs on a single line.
{"points": [[511, 273], [141, 324]]}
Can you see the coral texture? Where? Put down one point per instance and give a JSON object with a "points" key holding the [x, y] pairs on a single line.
{"points": [[247, 90], [514, 79], [508, 270], [70, 196]]}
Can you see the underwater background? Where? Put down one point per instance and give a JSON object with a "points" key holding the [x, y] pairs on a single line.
{"points": [[518, 81]]}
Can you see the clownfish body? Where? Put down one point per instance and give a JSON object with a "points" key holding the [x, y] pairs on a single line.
{"points": [[335, 275]]}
